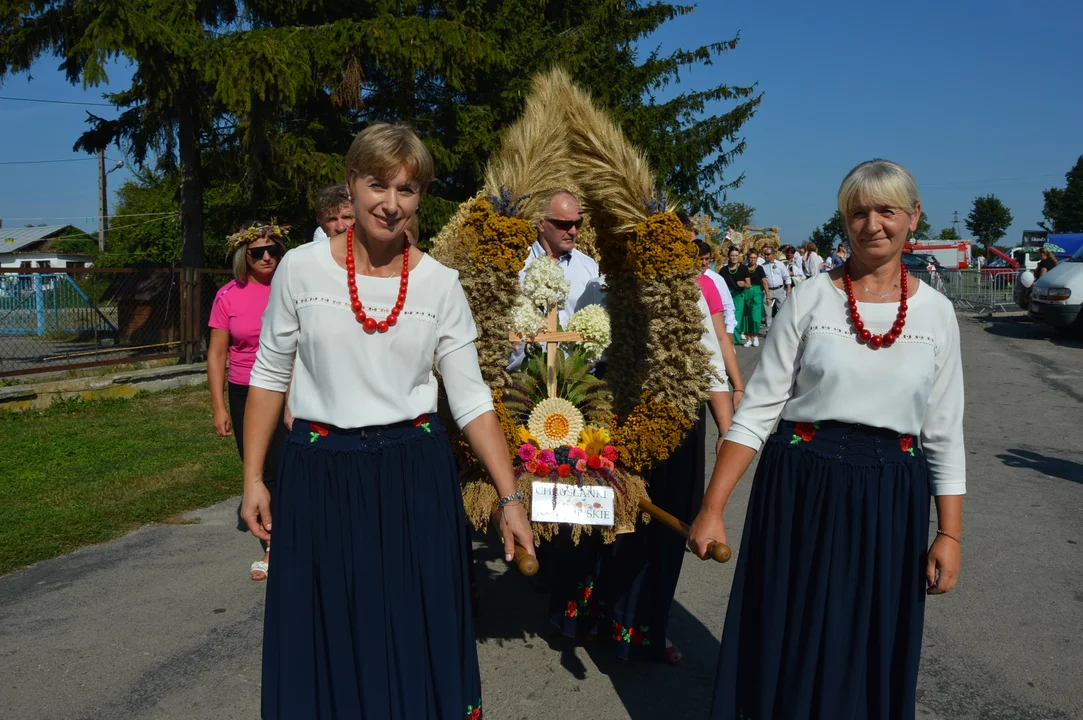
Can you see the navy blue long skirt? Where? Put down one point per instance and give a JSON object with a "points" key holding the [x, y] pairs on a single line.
{"points": [[368, 605], [827, 609]]}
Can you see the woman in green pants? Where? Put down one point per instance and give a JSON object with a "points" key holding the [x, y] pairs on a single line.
{"points": [[757, 286], [736, 276]]}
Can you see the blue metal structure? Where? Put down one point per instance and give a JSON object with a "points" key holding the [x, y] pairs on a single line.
{"points": [[40, 304]]}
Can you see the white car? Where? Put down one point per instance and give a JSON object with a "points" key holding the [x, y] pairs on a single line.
{"points": [[1057, 297]]}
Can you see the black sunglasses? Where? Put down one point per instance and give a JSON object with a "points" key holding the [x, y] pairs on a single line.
{"points": [[565, 225], [257, 253]]}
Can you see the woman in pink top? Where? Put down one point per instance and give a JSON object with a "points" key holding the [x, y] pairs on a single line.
{"points": [[235, 325], [723, 413]]}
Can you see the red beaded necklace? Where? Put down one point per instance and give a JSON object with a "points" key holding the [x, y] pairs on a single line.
{"points": [[863, 334], [371, 324]]}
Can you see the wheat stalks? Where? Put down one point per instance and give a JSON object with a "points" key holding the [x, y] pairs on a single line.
{"points": [[534, 156], [621, 182]]}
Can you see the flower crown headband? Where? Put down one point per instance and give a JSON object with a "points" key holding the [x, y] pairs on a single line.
{"points": [[271, 231]]}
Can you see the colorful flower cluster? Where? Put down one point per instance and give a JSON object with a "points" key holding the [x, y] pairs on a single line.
{"points": [[587, 603], [270, 231], [804, 432], [565, 460], [631, 635]]}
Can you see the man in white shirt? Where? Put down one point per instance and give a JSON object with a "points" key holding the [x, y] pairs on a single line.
{"points": [[334, 212], [558, 230], [779, 283]]}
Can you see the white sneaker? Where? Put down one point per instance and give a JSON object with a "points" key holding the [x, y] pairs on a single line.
{"points": [[755, 342], [748, 343]]}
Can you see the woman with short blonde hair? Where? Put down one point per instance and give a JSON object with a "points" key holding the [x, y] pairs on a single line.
{"points": [[368, 610], [863, 375]]}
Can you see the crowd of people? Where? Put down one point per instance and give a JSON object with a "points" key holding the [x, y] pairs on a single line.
{"points": [[755, 284], [856, 405]]}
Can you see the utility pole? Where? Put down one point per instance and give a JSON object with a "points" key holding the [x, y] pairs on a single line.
{"points": [[102, 201], [103, 198]]}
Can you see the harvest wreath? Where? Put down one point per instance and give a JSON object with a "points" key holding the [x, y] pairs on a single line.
{"points": [[564, 422]]}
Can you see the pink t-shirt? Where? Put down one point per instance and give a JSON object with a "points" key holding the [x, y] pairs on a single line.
{"points": [[238, 309], [710, 294]]}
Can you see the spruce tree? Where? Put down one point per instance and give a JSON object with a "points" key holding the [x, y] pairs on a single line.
{"points": [[256, 102]]}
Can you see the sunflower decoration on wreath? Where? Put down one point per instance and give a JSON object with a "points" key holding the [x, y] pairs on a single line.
{"points": [[562, 422]]}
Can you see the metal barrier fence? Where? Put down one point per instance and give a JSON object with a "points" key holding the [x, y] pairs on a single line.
{"points": [[57, 319], [972, 289]]}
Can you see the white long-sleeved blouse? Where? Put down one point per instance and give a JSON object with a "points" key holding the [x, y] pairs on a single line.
{"points": [[346, 377], [813, 368]]}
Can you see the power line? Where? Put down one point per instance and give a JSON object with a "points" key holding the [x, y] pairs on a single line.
{"points": [[86, 217], [55, 102], [145, 222], [70, 159]]}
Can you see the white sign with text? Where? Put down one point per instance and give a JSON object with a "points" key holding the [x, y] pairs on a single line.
{"points": [[586, 505]]}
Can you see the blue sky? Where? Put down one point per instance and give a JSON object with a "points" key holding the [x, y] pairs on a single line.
{"points": [[973, 97]]}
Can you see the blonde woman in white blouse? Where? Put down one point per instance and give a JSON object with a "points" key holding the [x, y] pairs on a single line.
{"points": [[368, 610], [862, 367]]}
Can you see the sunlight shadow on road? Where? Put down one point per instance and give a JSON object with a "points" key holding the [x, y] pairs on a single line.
{"points": [[510, 608], [654, 690], [1020, 327], [1051, 466]]}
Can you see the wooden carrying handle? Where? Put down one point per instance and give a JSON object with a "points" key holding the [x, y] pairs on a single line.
{"points": [[526, 563], [719, 552]]}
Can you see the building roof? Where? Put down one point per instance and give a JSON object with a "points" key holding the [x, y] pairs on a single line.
{"points": [[17, 239]]}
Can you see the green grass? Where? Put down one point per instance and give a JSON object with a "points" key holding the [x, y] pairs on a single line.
{"points": [[82, 473]]}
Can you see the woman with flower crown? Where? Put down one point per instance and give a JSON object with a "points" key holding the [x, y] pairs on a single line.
{"points": [[368, 610], [863, 368], [235, 326]]}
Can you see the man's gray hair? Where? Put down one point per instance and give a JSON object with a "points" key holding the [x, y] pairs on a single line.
{"points": [[331, 198]]}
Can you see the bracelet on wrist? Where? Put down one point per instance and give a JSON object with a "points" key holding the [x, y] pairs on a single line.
{"points": [[949, 535], [517, 495]]}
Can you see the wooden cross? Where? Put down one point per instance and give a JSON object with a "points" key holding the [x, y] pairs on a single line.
{"points": [[551, 336], [703, 224]]}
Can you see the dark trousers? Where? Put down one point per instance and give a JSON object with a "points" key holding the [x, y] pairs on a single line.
{"points": [[238, 398]]}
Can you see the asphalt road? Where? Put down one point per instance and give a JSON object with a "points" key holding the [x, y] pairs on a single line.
{"points": [[165, 624]]}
